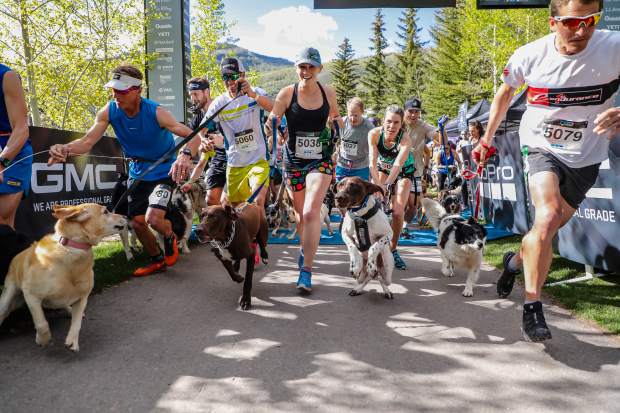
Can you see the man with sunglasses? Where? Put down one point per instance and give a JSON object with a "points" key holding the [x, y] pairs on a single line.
{"points": [[572, 76], [244, 140], [144, 130]]}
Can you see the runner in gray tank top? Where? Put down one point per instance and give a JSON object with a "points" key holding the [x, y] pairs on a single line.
{"points": [[353, 157]]}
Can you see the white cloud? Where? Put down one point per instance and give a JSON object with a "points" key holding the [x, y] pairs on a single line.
{"points": [[284, 32]]}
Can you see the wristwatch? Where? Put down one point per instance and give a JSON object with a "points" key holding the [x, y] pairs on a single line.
{"points": [[187, 152], [5, 162]]}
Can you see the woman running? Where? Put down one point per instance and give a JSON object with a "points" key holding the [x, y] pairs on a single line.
{"points": [[391, 164], [308, 165]]}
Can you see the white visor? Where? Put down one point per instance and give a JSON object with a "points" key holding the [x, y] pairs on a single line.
{"points": [[122, 82]]}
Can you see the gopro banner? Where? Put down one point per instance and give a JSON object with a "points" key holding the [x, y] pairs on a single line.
{"points": [[502, 191], [592, 236], [83, 179]]}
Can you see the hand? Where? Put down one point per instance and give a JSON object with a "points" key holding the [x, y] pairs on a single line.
{"points": [[58, 153], [180, 169], [247, 89], [442, 121], [269, 124], [217, 139], [186, 187], [608, 123], [1, 173], [206, 145]]}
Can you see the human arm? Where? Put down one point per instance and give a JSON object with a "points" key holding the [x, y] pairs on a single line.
{"points": [[283, 99], [181, 167], [334, 111], [200, 166], [257, 94], [497, 113], [608, 123], [404, 150], [59, 152], [373, 139]]}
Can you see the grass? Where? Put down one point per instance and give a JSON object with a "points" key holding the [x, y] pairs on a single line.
{"points": [[111, 265], [596, 300]]}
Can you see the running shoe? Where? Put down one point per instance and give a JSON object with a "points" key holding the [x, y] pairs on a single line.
{"points": [[507, 280], [171, 250], [534, 326], [304, 282], [300, 260], [398, 262], [153, 267]]}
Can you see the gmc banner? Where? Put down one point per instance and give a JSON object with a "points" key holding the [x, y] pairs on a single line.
{"points": [[86, 178]]}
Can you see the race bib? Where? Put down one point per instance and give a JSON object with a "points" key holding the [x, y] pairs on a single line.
{"points": [[564, 135], [308, 145], [382, 164], [349, 148], [160, 197], [245, 141]]}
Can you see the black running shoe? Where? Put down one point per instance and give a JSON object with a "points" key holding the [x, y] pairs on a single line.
{"points": [[507, 279], [534, 325]]}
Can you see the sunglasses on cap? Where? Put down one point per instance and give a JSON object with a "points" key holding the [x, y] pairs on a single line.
{"points": [[126, 91], [576, 22], [230, 76]]}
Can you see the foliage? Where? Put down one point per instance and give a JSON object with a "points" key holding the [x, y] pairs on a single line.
{"points": [[375, 78], [345, 77]]}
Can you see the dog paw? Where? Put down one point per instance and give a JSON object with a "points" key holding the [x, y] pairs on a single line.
{"points": [[72, 344], [354, 293], [388, 295], [446, 272], [237, 278], [43, 337], [468, 292], [245, 303]]}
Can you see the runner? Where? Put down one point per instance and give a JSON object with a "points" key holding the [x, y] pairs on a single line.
{"points": [[572, 76], [391, 164], [420, 133], [472, 138], [244, 140], [308, 106], [14, 145], [446, 159], [199, 93], [144, 130], [352, 157]]}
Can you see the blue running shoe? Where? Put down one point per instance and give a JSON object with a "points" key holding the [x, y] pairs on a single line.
{"points": [[300, 260], [398, 262], [304, 282]]}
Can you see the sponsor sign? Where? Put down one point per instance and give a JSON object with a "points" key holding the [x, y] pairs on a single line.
{"points": [[360, 4], [168, 40], [611, 21], [462, 117], [82, 179]]}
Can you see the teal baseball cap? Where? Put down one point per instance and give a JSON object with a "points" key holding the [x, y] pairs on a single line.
{"points": [[309, 55]]}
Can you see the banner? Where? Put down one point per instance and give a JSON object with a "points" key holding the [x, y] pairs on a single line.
{"points": [[462, 117], [86, 178]]}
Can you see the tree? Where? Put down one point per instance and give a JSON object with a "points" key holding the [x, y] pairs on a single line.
{"points": [[406, 77], [344, 74], [376, 71]]}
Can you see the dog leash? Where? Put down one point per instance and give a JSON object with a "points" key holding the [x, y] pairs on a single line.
{"points": [[468, 174]]}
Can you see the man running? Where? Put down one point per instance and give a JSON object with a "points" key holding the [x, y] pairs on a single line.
{"points": [[244, 140], [14, 145], [144, 130], [572, 76], [420, 133], [353, 149]]}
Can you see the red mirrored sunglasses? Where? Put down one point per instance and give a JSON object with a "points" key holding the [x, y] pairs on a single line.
{"points": [[575, 22]]}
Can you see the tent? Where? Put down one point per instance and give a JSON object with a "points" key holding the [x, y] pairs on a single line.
{"points": [[515, 110], [452, 128]]}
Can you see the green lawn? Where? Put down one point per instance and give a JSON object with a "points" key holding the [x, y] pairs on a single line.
{"points": [[111, 265], [597, 300]]}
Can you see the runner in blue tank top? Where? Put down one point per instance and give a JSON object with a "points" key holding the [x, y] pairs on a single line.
{"points": [[144, 131], [14, 145]]}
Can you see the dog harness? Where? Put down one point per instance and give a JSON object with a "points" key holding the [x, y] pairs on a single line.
{"points": [[362, 233]]}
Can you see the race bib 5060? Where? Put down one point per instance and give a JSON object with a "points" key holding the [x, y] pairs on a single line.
{"points": [[245, 141]]}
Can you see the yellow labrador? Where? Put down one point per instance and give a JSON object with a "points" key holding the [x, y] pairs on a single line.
{"points": [[57, 271]]}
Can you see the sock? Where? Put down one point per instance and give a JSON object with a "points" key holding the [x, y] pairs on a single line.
{"points": [[306, 269], [512, 264], [404, 224]]}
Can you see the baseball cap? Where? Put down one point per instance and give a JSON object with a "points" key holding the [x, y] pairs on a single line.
{"points": [[309, 55], [413, 104], [122, 81], [231, 65]]}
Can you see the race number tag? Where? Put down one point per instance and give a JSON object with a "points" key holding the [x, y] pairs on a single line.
{"points": [[308, 145], [160, 197], [349, 148], [245, 141], [564, 135], [382, 164]]}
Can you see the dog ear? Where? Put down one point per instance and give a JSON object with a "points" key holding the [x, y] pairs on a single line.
{"points": [[231, 212], [372, 188], [471, 221], [69, 212]]}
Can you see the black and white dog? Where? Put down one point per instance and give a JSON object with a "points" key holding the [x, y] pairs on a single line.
{"points": [[460, 241], [366, 231]]}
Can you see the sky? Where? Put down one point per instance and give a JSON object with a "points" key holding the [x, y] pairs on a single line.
{"points": [[281, 28]]}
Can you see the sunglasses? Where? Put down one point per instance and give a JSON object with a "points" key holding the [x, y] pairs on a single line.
{"points": [[230, 76], [126, 91], [575, 23]]}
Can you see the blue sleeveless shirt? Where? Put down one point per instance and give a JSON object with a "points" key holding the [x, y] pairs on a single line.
{"points": [[142, 138], [445, 161], [5, 125]]}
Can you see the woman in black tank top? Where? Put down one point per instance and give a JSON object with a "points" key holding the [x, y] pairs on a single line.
{"points": [[308, 150]]}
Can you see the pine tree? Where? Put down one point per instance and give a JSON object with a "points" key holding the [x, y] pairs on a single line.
{"points": [[406, 77], [344, 74], [376, 70]]}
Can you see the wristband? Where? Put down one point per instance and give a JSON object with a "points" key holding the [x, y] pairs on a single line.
{"points": [[187, 152]]}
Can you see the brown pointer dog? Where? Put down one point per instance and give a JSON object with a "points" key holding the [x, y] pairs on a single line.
{"points": [[231, 232], [57, 271]]}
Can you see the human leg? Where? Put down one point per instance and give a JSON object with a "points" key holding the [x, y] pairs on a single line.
{"points": [[8, 207]]}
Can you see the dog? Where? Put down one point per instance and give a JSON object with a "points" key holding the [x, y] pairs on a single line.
{"points": [[460, 241], [366, 231], [231, 232], [57, 271], [326, 209], [451, 201]]}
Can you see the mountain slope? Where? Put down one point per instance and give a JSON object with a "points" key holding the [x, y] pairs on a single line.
{"points": [[252, 61]]}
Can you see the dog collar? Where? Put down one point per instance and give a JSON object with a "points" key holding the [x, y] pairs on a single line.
{"points": [[66, 242], [217, 244], [361, 206]]}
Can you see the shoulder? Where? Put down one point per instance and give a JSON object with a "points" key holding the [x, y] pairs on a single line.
{"points": [[374, 132], [535, 48], [286, 92], [329, 91]]}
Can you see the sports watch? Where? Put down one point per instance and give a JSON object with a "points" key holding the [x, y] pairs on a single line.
{"points": [[5, 162], [187, 152]]}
